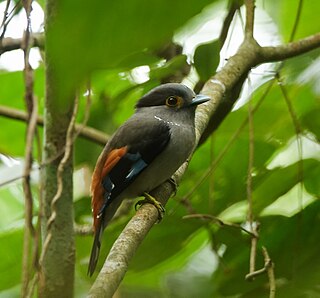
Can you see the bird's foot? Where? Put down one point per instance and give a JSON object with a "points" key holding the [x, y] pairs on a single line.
{"points": [[151, 200], [175, 186]]}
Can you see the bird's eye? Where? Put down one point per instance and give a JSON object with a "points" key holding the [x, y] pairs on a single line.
{"points": [[172, 101]]}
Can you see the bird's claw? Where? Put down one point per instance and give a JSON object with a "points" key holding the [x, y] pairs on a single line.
{"points": [[151, 200]]}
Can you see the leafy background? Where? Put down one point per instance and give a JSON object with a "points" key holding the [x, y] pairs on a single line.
{"points": [[184, 257]]}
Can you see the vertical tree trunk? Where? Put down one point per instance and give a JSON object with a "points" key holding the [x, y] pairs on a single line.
{"points": [[56, 277]]}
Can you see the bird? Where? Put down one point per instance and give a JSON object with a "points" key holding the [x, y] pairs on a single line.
{"points": [[143, 153]]}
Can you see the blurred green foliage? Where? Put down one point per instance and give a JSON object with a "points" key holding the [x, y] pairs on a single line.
{"points": [[107, 40]]}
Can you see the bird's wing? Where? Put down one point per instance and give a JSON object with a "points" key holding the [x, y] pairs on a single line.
{"points": [[131, 150]]}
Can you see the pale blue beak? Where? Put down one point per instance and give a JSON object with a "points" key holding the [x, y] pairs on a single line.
{"points": [[200, 99]]}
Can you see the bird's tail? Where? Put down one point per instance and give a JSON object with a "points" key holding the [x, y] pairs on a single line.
{"points": [[102, 222], [95, 248]]}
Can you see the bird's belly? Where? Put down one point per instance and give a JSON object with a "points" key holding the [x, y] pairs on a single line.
{"points": [[165, 165]]}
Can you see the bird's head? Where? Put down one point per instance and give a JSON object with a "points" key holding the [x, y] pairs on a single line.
{"points": [[171, 95]]}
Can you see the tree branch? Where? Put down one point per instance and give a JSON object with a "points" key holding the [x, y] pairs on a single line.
{"points": [[256, 55], [11, 44], [56, 272], [292, 49], [86, 132], [249, 18], [231, 77]]}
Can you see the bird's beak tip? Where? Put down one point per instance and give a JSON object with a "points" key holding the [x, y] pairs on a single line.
{"points": [[200, 98]]}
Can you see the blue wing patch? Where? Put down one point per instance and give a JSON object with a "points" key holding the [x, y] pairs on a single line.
{"points": [[137, 167]]}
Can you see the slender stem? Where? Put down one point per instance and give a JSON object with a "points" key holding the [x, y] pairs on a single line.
{"points": [[270, 270], [32, 109], [249, 19], [296, 21], [85, 132], [219, 221], [250, 217]]}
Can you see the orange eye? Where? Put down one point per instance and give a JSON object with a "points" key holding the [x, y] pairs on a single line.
{"points": [[172, 101]]}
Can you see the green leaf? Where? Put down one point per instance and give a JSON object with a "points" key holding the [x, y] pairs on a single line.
{"points": [[102, 34], [312, 181], [286, 12], [311, 121], [172, 230], [11, 206], [11, 258], [280, 181], [169, 68], [206, 59], [292, 246], [12, 132], [153, 275]]}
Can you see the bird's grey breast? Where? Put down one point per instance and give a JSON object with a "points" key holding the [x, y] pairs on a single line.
{"points": [[180, 146]]}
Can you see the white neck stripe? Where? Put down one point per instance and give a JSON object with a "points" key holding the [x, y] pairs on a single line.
{"points": [[168, 122]]}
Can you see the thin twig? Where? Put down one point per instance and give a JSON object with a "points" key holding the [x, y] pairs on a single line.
{"points": [[85, 132], [292, 113], [267, 263], [187, 204], [296, 21], [254, 274], [9, 17], [300, 172], [30, 230], [32, 287], [76, 133], [298, 130], [211, 188], [5, 16], [250, 216], [219, 221], [32, 109], [62, 164], [270, 270], [250, 162], [249, 19]]}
